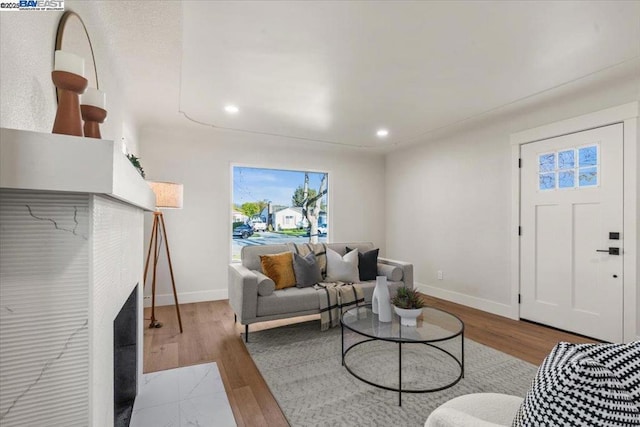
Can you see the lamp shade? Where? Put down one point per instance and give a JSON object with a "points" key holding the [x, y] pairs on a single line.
{"points": [[168, 194]]}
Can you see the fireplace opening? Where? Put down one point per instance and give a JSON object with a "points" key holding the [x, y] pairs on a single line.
{"points": [[125, 360]]}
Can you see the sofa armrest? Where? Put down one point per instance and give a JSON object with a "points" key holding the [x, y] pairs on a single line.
{"points": [[407, 270], [243, 292]]}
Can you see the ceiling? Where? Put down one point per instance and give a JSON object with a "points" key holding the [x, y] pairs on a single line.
{"points": [[336, 72]]}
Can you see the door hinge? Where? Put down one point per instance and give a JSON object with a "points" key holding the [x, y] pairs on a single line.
{"points": [[519, 299], [519, 163], [519, 231]]}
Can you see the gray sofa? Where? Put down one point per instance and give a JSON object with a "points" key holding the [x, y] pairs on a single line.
{"points": [[246, 280]]}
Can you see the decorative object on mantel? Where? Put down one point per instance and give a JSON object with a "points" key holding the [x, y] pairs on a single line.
{"points": [[68, 76], [168, 196], [135, 161], [72, 38], [93, 112], [380, 303], [408, 305]]}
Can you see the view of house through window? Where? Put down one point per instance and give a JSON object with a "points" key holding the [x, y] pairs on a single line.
{"points": [[275, 206]]}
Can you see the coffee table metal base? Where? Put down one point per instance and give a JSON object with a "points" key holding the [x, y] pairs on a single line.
{"points": [[399, 389]]}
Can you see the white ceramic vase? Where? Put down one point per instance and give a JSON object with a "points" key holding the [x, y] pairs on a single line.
{"points": [[381, 301], [408, 316]]}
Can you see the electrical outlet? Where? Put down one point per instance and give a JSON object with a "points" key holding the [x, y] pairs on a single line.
{"points": [[440, 275]]}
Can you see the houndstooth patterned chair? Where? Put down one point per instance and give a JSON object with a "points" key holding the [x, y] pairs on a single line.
{"points": [[576, 385]]}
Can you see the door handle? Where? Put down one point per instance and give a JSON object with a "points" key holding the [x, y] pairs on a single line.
{"points": [[610, 251]]}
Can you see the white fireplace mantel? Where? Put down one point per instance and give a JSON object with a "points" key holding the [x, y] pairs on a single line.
{"points": [[71, 253], [51, 162]]}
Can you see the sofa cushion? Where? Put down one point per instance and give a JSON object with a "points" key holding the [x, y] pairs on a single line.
{"points": [[367, 263], [393, 272], [342, 268], [306, 269], [266, 286], [290, 300], [279, 267], [585, 384]]}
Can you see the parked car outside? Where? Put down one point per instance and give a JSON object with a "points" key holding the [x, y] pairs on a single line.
{"points": [[322, 230], [258, 224], [243, 231]]}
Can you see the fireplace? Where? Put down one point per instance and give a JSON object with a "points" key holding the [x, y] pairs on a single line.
{"points": [[70, 257], [125, 360]]}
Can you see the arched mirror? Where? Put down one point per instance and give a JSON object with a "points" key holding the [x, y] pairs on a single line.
{"points": [[72, 37]]}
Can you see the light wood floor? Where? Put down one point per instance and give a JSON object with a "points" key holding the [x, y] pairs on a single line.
{"points": [[210, 335]]}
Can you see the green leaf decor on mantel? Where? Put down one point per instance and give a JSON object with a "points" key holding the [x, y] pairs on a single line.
{"points": [[135, 161]]}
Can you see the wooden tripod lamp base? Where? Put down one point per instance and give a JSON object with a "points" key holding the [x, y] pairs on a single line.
{"points": [[159, 238]]}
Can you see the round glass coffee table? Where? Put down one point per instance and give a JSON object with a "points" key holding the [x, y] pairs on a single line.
{"points": [[429, 355]]}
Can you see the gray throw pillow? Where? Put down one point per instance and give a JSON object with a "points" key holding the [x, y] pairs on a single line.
{"points": [[306, 269]]}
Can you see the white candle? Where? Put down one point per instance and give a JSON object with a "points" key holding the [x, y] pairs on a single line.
{"points": [[95, 97], [69, 62]]}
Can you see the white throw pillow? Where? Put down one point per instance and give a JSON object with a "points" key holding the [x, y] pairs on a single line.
{"points": [[344, 269]]}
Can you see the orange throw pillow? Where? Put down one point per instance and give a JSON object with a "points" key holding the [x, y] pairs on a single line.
{"points": [[279, 268]]}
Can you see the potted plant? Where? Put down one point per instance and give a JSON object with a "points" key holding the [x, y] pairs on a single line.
{"points": [[135, 161], [408, 305]]}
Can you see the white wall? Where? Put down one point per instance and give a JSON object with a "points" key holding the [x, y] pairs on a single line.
{"points": [[200, 233], [28, 99], [449, 210], [458, 190]]}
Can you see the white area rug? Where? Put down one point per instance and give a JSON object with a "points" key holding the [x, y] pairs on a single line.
{"points": [[303, 369]]}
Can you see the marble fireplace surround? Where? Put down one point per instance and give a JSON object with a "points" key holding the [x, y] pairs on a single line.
{"points": [[71, 253]]}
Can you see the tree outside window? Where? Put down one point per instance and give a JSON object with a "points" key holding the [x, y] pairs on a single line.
{"points": [[275, 206]]}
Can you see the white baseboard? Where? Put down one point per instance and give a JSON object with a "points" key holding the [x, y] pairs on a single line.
{"points": [[489, 306], [187, 297]]}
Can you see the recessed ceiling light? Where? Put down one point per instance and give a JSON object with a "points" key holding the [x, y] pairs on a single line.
{"points": [[382, 133], [232, 109]]}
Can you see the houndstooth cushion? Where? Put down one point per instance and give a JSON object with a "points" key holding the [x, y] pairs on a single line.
{"points": [[585, 385]]}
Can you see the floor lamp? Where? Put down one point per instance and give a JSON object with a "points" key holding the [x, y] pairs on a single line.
{"points": [[168, 196]]}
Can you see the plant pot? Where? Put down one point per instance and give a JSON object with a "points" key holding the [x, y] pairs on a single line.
{"points": [[408, 316]]}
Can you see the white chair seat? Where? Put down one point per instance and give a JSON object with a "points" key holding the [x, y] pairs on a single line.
{"points": [[476, 410]]}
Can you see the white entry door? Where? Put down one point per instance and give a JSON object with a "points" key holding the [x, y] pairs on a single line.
{"points": [[571, 200]]}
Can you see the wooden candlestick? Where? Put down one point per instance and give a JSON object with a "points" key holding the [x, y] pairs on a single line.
{"points": [[68, 120], [93, 116]]}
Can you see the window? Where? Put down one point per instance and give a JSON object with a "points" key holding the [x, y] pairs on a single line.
{"points": [[572, 168], [269, 207]]}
